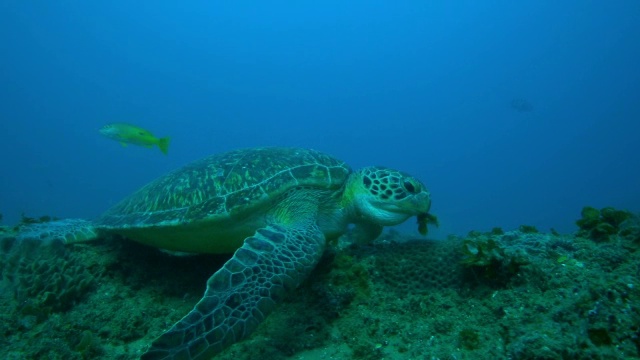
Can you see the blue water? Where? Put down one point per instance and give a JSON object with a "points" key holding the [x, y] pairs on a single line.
{"points": [[424, 87]]}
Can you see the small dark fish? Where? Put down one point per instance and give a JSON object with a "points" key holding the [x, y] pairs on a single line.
{"points": [[521, 105]]}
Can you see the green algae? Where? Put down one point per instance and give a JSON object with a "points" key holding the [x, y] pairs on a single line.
{"points": [[603, 224]]}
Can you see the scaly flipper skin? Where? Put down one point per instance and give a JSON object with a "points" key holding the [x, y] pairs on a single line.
{"points": [[243, 292], [68, 231]]}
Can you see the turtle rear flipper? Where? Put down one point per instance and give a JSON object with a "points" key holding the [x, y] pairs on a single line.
{"points": [[243, 292], [66, 230]]}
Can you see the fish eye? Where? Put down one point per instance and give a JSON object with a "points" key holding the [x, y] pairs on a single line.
{"points": [[409, 185]]}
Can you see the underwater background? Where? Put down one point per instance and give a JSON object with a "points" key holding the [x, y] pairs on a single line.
{"points": [[522, 118], [426, 87]]}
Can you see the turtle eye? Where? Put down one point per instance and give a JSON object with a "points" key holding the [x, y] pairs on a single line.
{"points": [[410, 187]]}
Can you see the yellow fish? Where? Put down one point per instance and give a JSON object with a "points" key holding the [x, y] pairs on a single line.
{"points": [[129, 134]]}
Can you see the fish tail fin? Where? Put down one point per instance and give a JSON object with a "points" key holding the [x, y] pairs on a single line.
{"points": [[163, 144]]}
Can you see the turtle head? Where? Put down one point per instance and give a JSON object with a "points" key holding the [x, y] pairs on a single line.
{"points": [[386, 196]]}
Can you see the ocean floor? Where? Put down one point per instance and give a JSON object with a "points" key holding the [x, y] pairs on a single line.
{"points": [[517, 294]]}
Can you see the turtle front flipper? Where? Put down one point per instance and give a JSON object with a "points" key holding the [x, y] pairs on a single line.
{"points": [[243, 292]]}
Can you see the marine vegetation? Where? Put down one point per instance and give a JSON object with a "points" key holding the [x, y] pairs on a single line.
{"points": [[481, 251], [528, 229], [27, 220], [400, 297], [52, 281], [603, 224], [487, 256], [423, 220]]}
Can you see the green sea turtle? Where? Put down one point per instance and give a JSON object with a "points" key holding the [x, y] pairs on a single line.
{"points": [[276, 209]]}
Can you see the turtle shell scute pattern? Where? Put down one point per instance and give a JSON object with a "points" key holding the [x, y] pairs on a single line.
{"points": [[226, 183]]}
